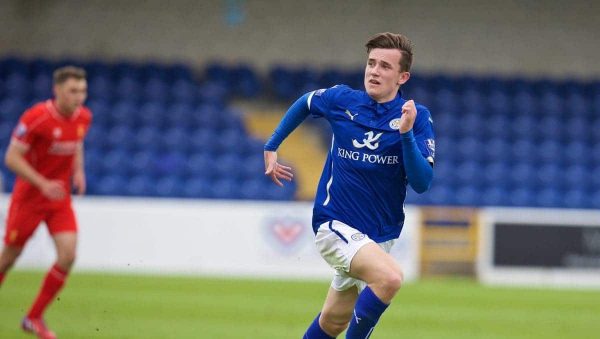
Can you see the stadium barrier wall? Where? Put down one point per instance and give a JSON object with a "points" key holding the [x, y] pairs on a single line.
{"points": [[540, 247], [201, 237]]}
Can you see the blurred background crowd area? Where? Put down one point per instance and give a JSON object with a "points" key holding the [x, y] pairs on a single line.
{"points": [[182, 104]]}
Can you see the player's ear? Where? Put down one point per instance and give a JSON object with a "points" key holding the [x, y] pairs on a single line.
{"points": [[404, 76]]}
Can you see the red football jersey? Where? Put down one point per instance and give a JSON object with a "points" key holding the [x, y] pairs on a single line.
{"points": [[52, 142]]}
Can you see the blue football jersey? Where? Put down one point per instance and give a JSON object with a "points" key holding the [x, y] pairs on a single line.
{"points": [[364, 182]]}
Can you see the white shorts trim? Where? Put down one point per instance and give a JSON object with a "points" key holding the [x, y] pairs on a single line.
{"points": [[338, 243]]}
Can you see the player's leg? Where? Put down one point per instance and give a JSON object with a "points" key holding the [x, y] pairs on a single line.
{"points": [[63, 228], [7, 259], [383, 276], [335, 315], [21, 222]]}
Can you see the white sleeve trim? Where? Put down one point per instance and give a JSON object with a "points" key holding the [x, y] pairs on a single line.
{"points": [[310, 98]]}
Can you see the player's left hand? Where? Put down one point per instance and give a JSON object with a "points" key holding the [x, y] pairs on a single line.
{"points": [[275, 170], [409, 114], [79, 182]]}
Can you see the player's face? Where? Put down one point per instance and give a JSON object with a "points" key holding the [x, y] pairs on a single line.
{"points": [[383, 76], [71, 94]]}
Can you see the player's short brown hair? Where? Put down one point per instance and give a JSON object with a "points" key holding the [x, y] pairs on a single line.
{"points": [[67, 72], [389, 40]]}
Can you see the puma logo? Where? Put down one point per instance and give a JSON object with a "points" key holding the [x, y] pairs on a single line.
{"points": [[351, 115]]}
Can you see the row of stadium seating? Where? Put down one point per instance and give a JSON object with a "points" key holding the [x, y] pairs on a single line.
{"points": [[505, 142], [157, 131]]}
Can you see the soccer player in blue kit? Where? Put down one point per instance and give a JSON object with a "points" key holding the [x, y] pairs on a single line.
{"points": [[381, 142]]}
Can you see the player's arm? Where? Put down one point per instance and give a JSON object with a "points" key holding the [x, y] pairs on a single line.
{"points": [[290, 121], [16, 162], [79, 181], [419, 171]]}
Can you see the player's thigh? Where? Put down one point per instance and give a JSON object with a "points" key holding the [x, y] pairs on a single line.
{"points": [[339, 305], [61, 220], [21, 222], [338, 243], [62, 226], [371, 264]]}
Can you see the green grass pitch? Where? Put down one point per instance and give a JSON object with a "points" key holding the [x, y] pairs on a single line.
{"points": [[143, 306]]}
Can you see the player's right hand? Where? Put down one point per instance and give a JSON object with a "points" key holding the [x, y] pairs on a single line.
{"points": [[276, 171], [53, 190]]}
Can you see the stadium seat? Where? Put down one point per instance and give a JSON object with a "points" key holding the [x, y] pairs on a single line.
{"points": [[141, 185], [197, 187], [224, 188], [170, 186]]}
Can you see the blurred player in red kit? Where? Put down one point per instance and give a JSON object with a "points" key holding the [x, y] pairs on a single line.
{"points": [[46, 153]]}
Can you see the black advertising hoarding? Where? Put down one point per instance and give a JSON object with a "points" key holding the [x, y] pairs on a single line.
{"points": [[547, 245]]}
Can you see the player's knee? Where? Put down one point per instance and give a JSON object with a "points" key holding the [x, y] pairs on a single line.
{"points": [[6, 264], [66, 260], [392, 281], [8, 259], [333, 324]]}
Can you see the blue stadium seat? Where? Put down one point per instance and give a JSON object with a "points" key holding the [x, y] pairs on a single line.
{"points": [[577, 128], [246, 83], [112, 185], [524, 102], [152, 114], [551, 151], [127, 88], [495, 196], [225, 188], [497, 174], [100, 87], [577, 198], [496, 148], [229, 165], [141, 185], [524, 175], [144, 162], [170, 186], [147, 138], [551, 103], [197, 187], [11, 109], [157, 90], [123, 113], [117, 162], [253, 188], [549, 197], [176, 140], [94, 162], [229, 140], [550, 176], [17, 86], [118, 137], [179, 115], [171, 164], [442, 195], [521, 197], [468, 147], [499, 102], [42, 87], [469, 173], [577, 176], [468, 196], [213, 93], [184, 91], [550, 127], [523, 150], [100, 112], [595, 201], [204, 139], [201, 166]]}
